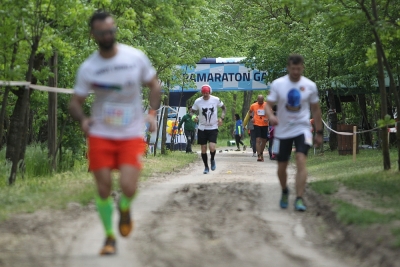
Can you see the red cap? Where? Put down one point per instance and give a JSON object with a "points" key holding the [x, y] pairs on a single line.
{"points": [[206, 89]]}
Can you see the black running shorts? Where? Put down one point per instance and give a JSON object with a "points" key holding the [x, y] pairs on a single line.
{"points": [[286, 145], [261, 131], [205, 136]]}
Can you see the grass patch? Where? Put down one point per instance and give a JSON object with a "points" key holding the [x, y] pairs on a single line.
{"points": [[41, 190], [396, 233], [172, 162], [325, 187], [365, 175], [350, 214]]}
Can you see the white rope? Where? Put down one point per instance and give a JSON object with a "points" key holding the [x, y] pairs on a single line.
{"points": [[37, 87], [340, 133], [347, 133]]}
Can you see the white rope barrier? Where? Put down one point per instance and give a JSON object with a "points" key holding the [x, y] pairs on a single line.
{"points": [[37, 87], [392, 130], [336, 132]]}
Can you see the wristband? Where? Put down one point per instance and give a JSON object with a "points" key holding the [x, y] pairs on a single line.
{"points": [[153, 112], [320, 132]]}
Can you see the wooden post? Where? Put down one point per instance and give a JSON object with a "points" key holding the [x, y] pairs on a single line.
{"points": [[354, 143]]}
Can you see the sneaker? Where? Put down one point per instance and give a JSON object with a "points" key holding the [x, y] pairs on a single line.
{"points": [[237, 149], [244, 148], [299, 204], [109, 247], [213, 166], [206, 170], [125, 223], [254, 155], [284, 200]]}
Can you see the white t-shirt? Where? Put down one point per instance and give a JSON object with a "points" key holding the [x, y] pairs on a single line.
{"points": [[293, 101], [117, 109], [208, 112]]}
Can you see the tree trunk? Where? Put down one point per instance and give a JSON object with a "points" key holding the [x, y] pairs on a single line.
{"points": [[16, 142], [3, 114], [52, 114], [6, 92], [158, 130], [365, 122], [246, 102], [382, 89], [164, 128], [333, 143]]}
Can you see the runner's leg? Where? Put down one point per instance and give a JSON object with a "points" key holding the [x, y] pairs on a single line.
{"points": [[104, 202], [237, 140], [301, 175]]}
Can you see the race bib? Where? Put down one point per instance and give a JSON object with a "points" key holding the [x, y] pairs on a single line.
{"points": [[308, 138], [117, 114], [275, 146], [260, 112]]}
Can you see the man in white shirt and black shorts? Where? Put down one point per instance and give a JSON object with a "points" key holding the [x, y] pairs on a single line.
{"points": [[294, 96], [207, 108]]}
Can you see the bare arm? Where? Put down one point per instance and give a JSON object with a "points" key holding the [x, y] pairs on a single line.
{"points": [[316, 114], [268, 109], [223, 112], [155, 93], [75, 107]]}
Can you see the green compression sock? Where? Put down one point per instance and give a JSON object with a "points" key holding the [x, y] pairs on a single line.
{"points": [[125, 202], [105, 208]]}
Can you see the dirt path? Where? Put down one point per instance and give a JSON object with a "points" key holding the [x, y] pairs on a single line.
{"points": [[229, 217]]}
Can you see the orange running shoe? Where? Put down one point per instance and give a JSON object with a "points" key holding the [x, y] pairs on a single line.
{"points": [[109, 246], [125, 223]]}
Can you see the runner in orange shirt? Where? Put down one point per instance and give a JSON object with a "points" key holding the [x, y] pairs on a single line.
{"points": [[260, 125]]}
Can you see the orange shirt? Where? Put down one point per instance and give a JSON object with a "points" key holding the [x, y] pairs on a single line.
{"points": [[259, 114]]}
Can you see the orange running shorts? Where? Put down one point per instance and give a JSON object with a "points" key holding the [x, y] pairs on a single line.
{"points": [[109, 153]]}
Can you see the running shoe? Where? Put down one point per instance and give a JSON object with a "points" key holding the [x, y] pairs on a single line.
{"points": [[244, 148], [206, 170], [237, 149], [125, 223], [213, 166], [284, 200], [299, 204], [109, 246], [254, 155]]}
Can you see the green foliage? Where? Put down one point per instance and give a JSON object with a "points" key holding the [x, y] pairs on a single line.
{"points": [[387, 121]]}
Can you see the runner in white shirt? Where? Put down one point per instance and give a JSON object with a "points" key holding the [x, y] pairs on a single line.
{"points": [[294, 95], [207, 109], [115, 132]]}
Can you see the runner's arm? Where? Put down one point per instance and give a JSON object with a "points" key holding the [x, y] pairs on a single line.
{"points": [[223, 112], [246, 119], [268, 109], [75, 107], [181, 122], [316, 114], [155, 93]]}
